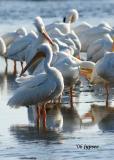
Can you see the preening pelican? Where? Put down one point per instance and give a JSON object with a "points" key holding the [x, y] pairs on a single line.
{"points": [[12, 36], [97, 49], [68, 38], [78, 29], [18, 48], [9, 38], [92, 34], [42, 87]]}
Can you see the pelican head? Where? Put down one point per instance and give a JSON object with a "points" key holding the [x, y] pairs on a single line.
{"points": [[21, 31], [41, 53], [41, 29], [71, 16]]}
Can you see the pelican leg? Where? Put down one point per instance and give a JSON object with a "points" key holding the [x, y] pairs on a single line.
{"points": [[59, 99], [71, 97], [44, 116], [21, 66], [14, 72], [107, 94], [38, 116]]}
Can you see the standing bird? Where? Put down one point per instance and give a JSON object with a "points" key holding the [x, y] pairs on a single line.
{"points": [[105, 69], [68, 66], [25, 48], [10, 38], [40, 88], [101, 72]]}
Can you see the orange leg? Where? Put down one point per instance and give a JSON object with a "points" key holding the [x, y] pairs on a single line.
{"points": [[44, 116], [107, 93]]}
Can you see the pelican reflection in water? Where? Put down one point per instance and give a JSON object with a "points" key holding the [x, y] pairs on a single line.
{"points": [[102, 116]]}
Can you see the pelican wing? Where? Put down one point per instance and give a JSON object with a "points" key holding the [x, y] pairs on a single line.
{"points": [[36, 90], [21, 44], [22, 79], [31, 81]]}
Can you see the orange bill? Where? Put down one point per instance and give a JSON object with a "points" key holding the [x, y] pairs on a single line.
{"points": [[48, 37], [37, 56], [86, 72]]}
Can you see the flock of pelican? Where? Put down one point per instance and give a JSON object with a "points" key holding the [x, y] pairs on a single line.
{"points": [[53, 60]]}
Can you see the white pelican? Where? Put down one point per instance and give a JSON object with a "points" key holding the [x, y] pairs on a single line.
{"points": [[65, 26], [63, 46], [97, 49], [102, 72], [18, 48], [67, 65], [84, 26], [9, 38], [104, 69], [66, 38], [78, 29], [42, 87], [25, 48], [71, 17], [12, 36], [92, 34]]}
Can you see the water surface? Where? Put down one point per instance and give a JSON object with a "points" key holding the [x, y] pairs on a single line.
{"points": [[21, 140]]}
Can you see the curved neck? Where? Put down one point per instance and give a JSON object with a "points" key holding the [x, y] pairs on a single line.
{"points": [[41, 38], [47, 61]]}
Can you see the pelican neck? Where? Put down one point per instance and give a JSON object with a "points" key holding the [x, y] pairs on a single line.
{"points": [[47, 61]]}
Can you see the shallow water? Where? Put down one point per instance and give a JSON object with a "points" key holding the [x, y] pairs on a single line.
{"points": [[19, 139]]}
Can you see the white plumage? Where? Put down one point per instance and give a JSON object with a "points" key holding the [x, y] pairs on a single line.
{"points": [[97, 49], [42, 87]]}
